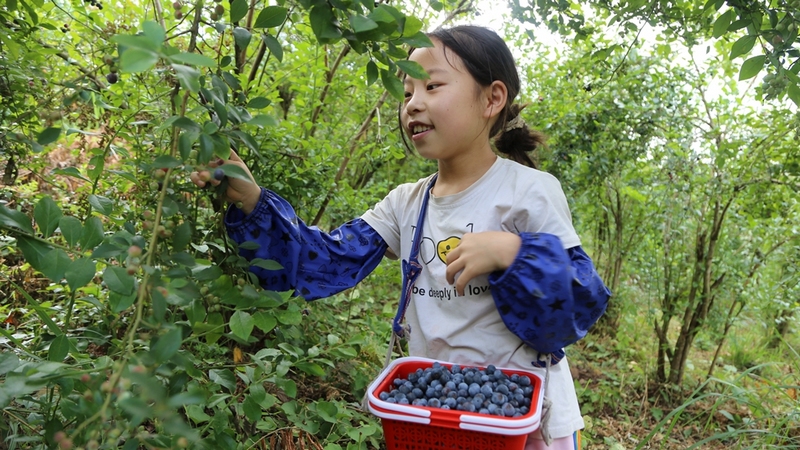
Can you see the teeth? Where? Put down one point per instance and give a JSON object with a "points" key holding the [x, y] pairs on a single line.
{"points": [[420, 129]]}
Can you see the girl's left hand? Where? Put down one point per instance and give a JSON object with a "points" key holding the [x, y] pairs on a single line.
{"points": [[481, 253]]}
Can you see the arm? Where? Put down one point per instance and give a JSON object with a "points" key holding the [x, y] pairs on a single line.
{"points": [[315, 264], [549, 296]]}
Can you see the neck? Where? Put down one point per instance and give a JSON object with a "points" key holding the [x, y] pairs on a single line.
{"points": [[459, 173]]}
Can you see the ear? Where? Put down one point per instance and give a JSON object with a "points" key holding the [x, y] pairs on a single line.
{"points": [[496, 95]]}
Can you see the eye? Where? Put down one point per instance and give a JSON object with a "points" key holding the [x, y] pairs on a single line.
{"points": [[407, 95], [432, 86]]}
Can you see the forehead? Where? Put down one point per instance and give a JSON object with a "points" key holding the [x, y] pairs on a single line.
{"points": [[437, 58]]}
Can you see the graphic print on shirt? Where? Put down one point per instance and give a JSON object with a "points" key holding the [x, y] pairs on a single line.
{"points": [[433, 254]]}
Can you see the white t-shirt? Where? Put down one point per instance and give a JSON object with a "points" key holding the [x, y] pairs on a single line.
{"points": [[468, 329]]}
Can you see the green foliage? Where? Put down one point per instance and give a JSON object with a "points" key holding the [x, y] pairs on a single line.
{"points": [[739, 25], [147, 329]]}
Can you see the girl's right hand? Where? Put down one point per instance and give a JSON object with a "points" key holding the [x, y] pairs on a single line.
{"points": [[238, 190]]}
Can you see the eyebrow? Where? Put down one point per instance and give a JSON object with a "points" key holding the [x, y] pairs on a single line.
{"points": [[431, 72]]}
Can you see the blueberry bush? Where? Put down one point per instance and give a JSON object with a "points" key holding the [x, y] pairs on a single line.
{"points": [[131, 320]]}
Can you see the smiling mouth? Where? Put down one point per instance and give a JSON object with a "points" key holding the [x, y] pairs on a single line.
{"points": [[419, 129]]}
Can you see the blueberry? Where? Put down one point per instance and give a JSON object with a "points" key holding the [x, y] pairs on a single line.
{"points": [[383, 396], [403, 401], [499, 399], [524, 381], [434, 403], [486, 390], [450, 403], [417, 392], [503, 389], [474, 389], [469, 407], [490, 369], [219, 174], [508, 410], [524, 410], [430, 392], [455, 369], [391, 400]]}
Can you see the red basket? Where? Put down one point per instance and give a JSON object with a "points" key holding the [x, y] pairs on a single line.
{"points": [[408, 427]]}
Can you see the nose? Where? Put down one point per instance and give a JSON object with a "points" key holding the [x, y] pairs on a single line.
{"points": [[414, 104]]}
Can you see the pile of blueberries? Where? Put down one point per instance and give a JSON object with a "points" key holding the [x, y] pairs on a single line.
{"points": [[470, 389]]}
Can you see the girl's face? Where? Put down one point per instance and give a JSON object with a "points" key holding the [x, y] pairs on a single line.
{"points": [[449, 114]]}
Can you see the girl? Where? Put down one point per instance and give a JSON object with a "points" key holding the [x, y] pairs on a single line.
{"points": [[503, 278]]}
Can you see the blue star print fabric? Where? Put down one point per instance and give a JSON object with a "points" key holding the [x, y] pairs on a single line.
{"points": [[315, 264], [549, 297]]}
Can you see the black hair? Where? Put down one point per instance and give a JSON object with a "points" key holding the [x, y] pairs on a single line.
{"points": [[487, 58]]}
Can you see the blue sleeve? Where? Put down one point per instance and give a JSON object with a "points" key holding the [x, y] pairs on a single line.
{"points": [[315, 264], [549, 296]]}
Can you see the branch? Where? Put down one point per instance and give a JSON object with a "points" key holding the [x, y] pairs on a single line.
{"points": [[65, 56]]}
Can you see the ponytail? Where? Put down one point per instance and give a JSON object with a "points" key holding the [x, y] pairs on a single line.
{"points": [[515, 139]]}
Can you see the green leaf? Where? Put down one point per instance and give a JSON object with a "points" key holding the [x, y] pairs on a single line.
{"points": [[751, 67], [47, 215], [238, 10], [263, 121], [418, 40], [251, 408], [241, 324], [271, 16], [264, 321], [288, 386], [118, 280], [413, 69], [794, 93], [258, 103], [323, 24], [80, 273], [8, 362], [193, 59], [392, 84], [15, 219], [310, 368], [241, 37], [71, 229], [742, 46], [223, 377], [71, 172], [167, 345], [372, 72], [412, 26], [189, 77], [274, 46], [135, 60], [328, 411], [119, 303], [154, 33], [289, 317], [362, 24], [185, 142], [55, 264], [234, 171], [101, 204], [267, 264], [48, 136], [166, 162], [92, 233], [187, 124], [59, 348], [722, 23], [33, 250], [182, 236]]}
